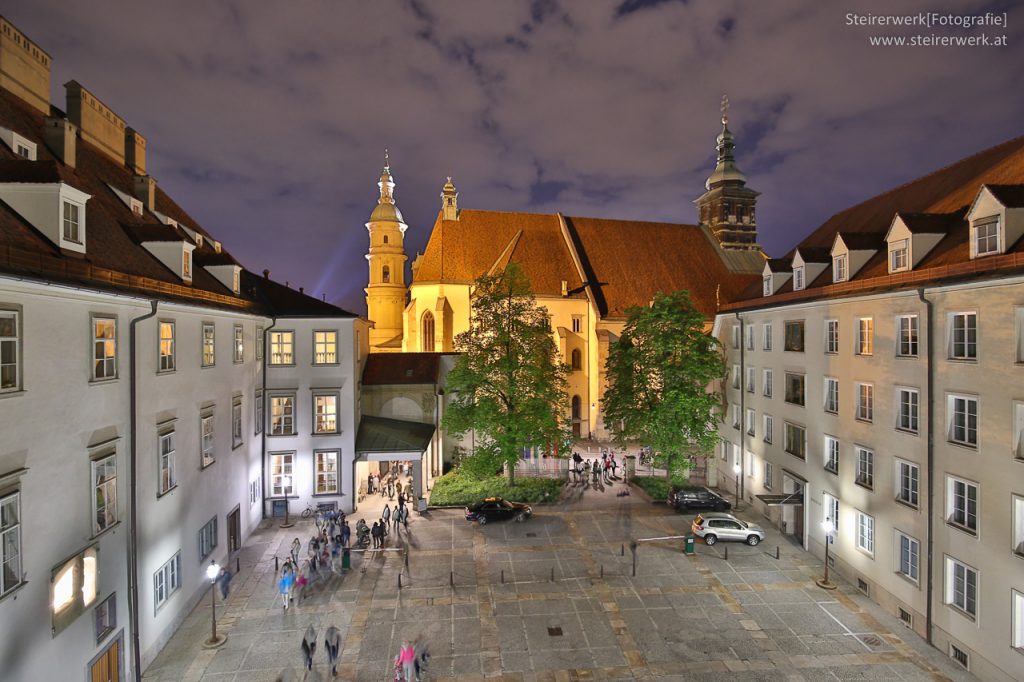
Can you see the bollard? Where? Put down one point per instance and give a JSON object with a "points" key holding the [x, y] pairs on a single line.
{"points": [[451, 578], [602, 571], [503, 576], [399, 581], [552, 574], [238, 565], [407, 558], [622, 552], [275, 564], [776, 552], [727, 552]]}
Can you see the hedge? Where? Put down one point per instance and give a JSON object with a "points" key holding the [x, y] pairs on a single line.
{"points": [[459, 489], [657, 487]]}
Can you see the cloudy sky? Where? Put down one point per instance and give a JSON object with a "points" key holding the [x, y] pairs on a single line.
{"points": [[267, 120]]}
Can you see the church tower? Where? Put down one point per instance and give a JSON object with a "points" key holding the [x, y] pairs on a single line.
{"points": [[385, 295], [727, 207], [449, 201]]}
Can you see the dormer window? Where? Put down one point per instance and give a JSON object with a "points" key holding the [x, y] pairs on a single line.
{"points": [[72, 231], [234, 281], [199, 240], [986, 236], [798, 279], [136, 207], [186, 265], [899, 255], [21, 146], [767, 285], [839, 269]]}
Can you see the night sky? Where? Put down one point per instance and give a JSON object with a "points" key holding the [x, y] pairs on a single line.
{"points": [[267, 121]]}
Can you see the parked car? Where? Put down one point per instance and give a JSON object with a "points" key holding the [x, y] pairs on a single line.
{"points": [[497, 509], [693, 500], [715, 526]]}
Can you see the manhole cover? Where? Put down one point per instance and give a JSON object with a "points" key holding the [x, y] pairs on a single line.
{"points": [[531, 535], [554, 632], [874, 642]]}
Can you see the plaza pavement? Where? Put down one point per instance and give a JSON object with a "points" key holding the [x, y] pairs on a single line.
{"points": [[702, 617]]}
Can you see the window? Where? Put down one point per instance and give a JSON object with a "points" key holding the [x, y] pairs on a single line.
{"points": [[795, 388], [186, 264], [254, 491], [577, 360], [986, 236], [326, 472], [899, 256], [325, 413], [865, 336], [831, 336], [105, 617], [282, 483], [167, 476], [1018, 430], [282, 347], [908, 481], [961, 587], [798, 278], [10, 351], [72, 231], [104, 493], [1019, 315], [235, 281], [831, 395], [963, 420], [236, 421], [839, 270], [1017, 608], [1018, 525], [577, 324], [830, 509], [239, 347], [768, 475], [73, 587], [736, 336], [908, 401], [209, 347], [206, 440], [751, 464], [767, 336], [767, 285], [749, 336], [795, 440], [962, 504], [385, 274], [207, 538], [166, 581], [909, 557], [767, 379], [751, 379], [865, 402], [865, 532], [865, 468], [832, 454], [963, 336], [282, 415], [906, 336], [736, 376], [259, 343], [735, 416], [166, 363], [325, 347], [769, 427], [726, 445], [795, 336], [427, 326], [104, 337], [751, 421], [10, 542], [257, 403]]}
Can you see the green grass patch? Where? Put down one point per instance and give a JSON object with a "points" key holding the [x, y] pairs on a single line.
{"points": [[657, 487], [459, 489]]}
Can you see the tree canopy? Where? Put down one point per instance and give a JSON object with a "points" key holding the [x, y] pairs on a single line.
{"points": [[663, 375], [508, 384]]}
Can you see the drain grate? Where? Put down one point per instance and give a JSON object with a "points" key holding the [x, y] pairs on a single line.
{"points": [[531, 535], [874, 642], [554, 632]]}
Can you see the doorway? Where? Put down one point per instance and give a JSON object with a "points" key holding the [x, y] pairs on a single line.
{"points": [[235, 529], [107, 666]]}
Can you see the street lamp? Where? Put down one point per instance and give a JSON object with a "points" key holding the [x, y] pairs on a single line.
{"points": [[736, 470], [286, 485], [829, 528], [212, 571]]}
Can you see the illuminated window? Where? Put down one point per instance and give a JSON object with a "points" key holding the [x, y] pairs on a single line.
{"points": [[104, 492], [325, 413], [104, 341], [239, 347], [899, 256], [236, 421], [282, 483], [186, 265], [10, 351], [282, 415], [865, 336], [326, 472], [73, 588], [325, 347], [385, 274], [209, 344], [282, 348], [166, 465], [166, 362], [206, 440]]}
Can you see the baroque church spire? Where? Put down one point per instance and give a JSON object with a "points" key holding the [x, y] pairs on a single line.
{"points": [[386, 291], [449, 201]]}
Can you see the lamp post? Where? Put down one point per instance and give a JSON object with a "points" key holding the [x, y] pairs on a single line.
{"points": [[736, 470], [829, 528], [286, 485], [212, 571]]}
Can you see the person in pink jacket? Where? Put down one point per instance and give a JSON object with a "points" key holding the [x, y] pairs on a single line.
{"points": [[406, 659]]}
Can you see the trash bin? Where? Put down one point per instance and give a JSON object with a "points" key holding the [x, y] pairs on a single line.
{"points": [[688, 547], [346, 560]]}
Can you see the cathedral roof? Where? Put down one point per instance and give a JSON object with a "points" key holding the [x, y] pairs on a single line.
{"points": [[625, 262]]}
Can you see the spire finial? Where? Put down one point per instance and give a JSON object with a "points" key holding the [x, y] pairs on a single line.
{"points": [[449, 179], [725, 110], [387, 161]]}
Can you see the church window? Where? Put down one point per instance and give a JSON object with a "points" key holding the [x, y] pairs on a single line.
{"points": [[577, 360], [428, 332], [576, 407], [739, 213], [386, 274], [385, 239]]}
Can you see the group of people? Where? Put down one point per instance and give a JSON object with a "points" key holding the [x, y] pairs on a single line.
{"points": [[604, 469], [398, 517], [324, 557], [389, 485]]}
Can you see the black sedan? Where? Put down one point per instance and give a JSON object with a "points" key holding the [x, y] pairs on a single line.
{"points": [[692, 500], [497, 509]]}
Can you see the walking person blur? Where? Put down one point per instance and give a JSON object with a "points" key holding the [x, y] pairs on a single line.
{"points": [[406, 659], [309, 646], [375, 535], [386, 516], [284, 586], [224, 582], [332, 644], [296, 547], [405, 517], [346, 534]]}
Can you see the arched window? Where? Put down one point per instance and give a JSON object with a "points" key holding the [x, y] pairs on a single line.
{"points": [[575, 408], [385, 239], [385, 274], [428, 332], [577, 360]]}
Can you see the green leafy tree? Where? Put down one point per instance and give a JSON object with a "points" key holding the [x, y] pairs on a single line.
{"points": [[507, 384], [663, 375]]}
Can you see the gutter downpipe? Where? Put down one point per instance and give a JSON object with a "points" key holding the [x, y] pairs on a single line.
{"points": [[930, 465], [133, 507], [743, 413], [263, 426]]}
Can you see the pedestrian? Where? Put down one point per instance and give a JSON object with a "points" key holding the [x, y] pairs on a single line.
{"points": [[386, 514], [284, 587], [296, 546], [406, 658], [332, 643], [615, 467], [422, 656], [346, 534], [224, 582], [405, 517], [401, 499], [375, 535], [397, 516], [309, 646]]}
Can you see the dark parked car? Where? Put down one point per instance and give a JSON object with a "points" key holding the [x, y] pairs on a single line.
{"points": [[497, 509], [693, 500]]}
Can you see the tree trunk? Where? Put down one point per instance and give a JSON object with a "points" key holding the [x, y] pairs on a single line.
{"points": [[511, 473]]}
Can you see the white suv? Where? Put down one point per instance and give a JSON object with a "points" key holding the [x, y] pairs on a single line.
{"points": [[715, 526]]}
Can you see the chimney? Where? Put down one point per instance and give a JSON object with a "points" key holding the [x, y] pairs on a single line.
{"points": [[24, 67], [266, 274], [565, 288], [144, 189], [135, 151], [302, 290], [60, 136]]}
